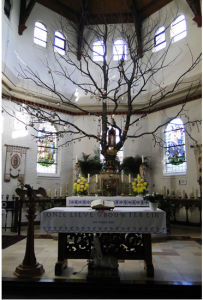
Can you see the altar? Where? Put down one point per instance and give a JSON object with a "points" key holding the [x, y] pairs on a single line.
{"points": [[124, 232]]}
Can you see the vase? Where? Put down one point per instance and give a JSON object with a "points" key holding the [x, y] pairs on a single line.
{"points": [[153, 205]]}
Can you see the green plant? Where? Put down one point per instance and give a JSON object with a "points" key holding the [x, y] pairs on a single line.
{"points": [[89, 165], [131, 165]]}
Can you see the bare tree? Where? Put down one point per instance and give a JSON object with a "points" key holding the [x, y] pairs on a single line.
{"points": [[121, 80]]}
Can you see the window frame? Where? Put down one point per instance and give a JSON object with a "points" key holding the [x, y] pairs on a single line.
{"points": [[97, 55], [156, 35], [63, 39], [37, 38], [47, 174], [172, 28], [124, 56], [165, 155]]}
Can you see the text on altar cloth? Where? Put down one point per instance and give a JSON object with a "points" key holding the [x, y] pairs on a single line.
{"points": [[151, 215]]}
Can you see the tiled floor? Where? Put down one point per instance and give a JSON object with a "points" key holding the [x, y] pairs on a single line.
{"points": [[174, 260]]}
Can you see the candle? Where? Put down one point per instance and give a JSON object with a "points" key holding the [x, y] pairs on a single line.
{"points": [[96, 178], [142, 158], [121, 178], [61, 191], [79, 175], [88, 178], [129, 178], [192, 194], [49, 193], [162, 192], [76, 160], [55, 193]]}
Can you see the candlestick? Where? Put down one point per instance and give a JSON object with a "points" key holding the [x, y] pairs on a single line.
{"points": [[96, 178], [55, 193], [88, 178], [122, 178], [129, 178], [130, 189]]}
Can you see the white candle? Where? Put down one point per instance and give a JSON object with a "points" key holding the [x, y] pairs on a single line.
{"points": [[76, 160], [142, 158], [49, 193], [55, 193], [79, 175], [129, 178], [88, 178], [61, 191], [96, 178], [121, 178]]}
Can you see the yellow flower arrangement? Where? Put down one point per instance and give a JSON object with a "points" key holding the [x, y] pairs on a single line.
{"points": [[80, 187], [139, 186]]}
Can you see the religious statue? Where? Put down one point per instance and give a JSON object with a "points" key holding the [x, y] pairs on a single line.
{"points": [[142, 170]]}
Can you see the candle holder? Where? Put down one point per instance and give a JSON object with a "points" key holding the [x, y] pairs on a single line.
{"points": [[130, 189], [122, 189], [179, 196], [88, 190]]}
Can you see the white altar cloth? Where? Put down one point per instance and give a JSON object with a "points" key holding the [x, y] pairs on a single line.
{"points": [[118, 200], [88, 220]]}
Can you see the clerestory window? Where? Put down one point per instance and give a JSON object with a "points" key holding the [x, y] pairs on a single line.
{"points": [[98, 50], [47, 153], [160, 39], [59, 43], [175, 148], [40, 34], [178, 29], [119, 50]]}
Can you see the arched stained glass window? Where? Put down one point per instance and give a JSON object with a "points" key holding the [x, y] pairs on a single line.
{"points": [[119, 50], [98, 50], [178, 29], [59, 43], [175, 150], [160, 39], [47, 149], [40, 34]]}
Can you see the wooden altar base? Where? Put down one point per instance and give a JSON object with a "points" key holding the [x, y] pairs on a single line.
{"points": [[102, 274], [29, 270]]}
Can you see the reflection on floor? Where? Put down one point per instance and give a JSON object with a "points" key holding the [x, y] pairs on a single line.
{"points": [[174, 260]]}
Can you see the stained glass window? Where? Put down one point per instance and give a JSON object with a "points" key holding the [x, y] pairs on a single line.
{"points": [[175, 154], [47, 149]]}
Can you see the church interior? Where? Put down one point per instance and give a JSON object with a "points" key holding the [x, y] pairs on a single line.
{"points": [[101, 149]]}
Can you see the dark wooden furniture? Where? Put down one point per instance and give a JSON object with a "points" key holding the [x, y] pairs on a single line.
{"points": [[133, 246]]}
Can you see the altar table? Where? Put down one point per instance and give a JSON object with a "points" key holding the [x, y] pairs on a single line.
{"points": [[118, 200], [124, 232]]}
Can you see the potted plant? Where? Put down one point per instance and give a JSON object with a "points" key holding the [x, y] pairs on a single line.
{"points": [[89, 165], [154, 200]]}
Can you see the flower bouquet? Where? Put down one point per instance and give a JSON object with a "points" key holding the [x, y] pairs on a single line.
{"points": [[80, 187], [139, 186], [153, 198]]}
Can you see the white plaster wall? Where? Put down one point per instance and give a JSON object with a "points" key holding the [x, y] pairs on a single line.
{"points": [[34, 55]]}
